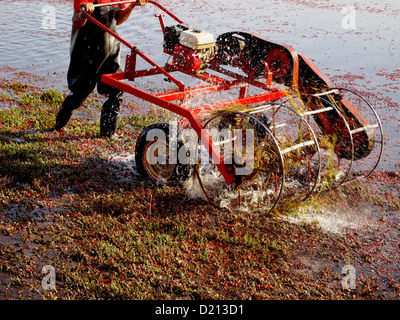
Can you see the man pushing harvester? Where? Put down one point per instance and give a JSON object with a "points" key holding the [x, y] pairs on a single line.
{"points": [[94, 52]]}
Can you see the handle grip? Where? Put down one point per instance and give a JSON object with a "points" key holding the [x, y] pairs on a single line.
{"points": [[113, 3], [85, 15]]}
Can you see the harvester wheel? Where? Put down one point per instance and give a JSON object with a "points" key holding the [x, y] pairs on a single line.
{"points": [[249, 146], [299, 148], [156, 155], [366, 131], [333, 135]]}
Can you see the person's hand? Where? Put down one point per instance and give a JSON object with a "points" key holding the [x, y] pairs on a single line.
{"points": [[141, 2], [88, 6]]}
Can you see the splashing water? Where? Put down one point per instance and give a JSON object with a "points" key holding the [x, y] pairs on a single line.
{"points": [[334, 220]]}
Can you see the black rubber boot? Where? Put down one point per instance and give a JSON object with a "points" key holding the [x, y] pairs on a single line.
{"points": [[109, 114], [64, 114]]}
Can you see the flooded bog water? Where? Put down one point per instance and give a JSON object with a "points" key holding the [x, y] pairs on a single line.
{"points": [[356, 47]]}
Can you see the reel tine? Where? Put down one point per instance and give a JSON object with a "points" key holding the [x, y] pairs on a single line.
{"points": [[374, 127], [300, 149], [260, 173], [286, 159]]}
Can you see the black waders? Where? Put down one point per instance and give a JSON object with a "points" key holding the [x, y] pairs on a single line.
{"points": [[94, 52]]}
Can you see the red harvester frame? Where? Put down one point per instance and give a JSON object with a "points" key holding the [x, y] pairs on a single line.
{"points": [[217, 83]]}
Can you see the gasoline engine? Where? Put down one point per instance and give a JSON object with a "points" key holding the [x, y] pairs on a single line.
{"points": [[191, 49]]}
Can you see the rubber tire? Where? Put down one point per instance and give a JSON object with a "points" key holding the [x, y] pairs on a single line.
{"points": [[181, 172]]}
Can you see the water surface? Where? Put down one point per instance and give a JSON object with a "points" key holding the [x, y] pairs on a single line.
{"points": [[365, 58]]}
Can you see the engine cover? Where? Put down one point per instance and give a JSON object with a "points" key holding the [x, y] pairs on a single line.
{"points": [[196, 39], [192, 49], [186, 59]]}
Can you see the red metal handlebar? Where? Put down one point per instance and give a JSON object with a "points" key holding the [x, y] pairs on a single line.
{"points": [[166, 11], [113, 3], [99, 24], [134, 1]]}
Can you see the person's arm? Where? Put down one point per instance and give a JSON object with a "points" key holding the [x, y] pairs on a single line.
{"points": [[77, 20], [124, 14]]}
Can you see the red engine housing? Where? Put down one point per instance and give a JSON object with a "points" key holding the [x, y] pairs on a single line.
{"points": [[186, 59]]}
